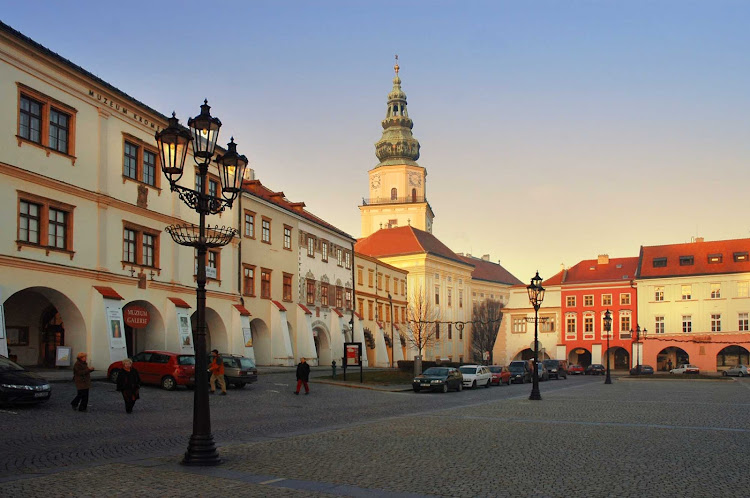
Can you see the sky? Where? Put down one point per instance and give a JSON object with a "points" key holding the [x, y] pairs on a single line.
{"points": [[551, 131]]}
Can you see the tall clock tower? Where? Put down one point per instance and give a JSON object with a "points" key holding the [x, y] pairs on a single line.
{"points": [[398, 185]]}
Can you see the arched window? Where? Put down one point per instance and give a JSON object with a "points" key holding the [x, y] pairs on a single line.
{"points": [[394, 194], [413, 195]]}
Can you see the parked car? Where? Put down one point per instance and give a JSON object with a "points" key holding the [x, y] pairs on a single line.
{"points": [[476, 375], [163, 368], [642, 370], [595, 369], [575, 370], [685, 368], [520, 371], [500, 375], [17, 385], [438, 379], [543, 372], [557, 368], [239, 370], [737, 371]]}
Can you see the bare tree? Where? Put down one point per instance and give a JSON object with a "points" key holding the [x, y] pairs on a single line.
{"points": [[420, 319], [486, 321]]}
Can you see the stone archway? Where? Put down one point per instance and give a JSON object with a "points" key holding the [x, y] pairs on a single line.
{"points": [[619, 358], [731, 356], [37, 320], [579, 356], [322, 344], [151, 336], [528, 354], [262, 345], [671, 356], [216, 332]]}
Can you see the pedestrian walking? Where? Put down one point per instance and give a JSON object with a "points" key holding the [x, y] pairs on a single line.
{"points": [[82, 379], [669, 365], [217, 373], [129, 384], [303, 375]]}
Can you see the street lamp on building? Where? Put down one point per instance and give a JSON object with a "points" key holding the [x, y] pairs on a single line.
{"points": [[390, 300], [536, 296], [608, 330], [637, 336], [173, 144]]}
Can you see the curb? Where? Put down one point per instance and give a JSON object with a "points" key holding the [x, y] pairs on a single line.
{"points": [[359, 386]]}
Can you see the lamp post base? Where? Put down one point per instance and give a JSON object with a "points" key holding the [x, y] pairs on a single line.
{"points": [[201, 451], [608, 380], [535, 395]]}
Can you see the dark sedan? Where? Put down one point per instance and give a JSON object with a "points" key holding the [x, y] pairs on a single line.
{"points": [[595, 369], [438, 379], [642, 370], [19, 386]]}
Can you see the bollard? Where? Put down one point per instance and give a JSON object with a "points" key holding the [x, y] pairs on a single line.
{"points": [[333, 367]]}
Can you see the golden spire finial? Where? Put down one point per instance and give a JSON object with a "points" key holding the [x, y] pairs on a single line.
{"points": [[396, 68]]}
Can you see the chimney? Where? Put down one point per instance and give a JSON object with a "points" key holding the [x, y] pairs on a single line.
{"points": [[486, 257], [603, 259], [699, 239]]}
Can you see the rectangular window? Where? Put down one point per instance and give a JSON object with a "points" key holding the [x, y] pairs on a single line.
{"points": [[287, 287], [606, 299], [659, 324], [437, 331], [361, 306], [265, 283], [570, 301], [460, 298], [450, 331], [30, 119], [687, 292], [739, 257], [213, 187], [324, 250], [380, 281], [348, 262], [571, 329], [310, 291], [588, 300], [687, 323], [360, 277], [58, 130], [403, 287], [686, 260], [380, 312], [658, 293], [624, 325], [56, 233], [743, 322], [715, 323], [28, 222], [311, 246], [348, 298], [323, 294], [147, 246], [248, 280], [715, 291], [450, 299], [403, 315], [265, 235], [45, 121], [659, 262], [624, 299], [140, 246], [339, 257], [370, 277], [742, 289], [130, 161], [198, 182], [387, 283], [547, 325], [339, 297], [519, 325], [369, 310], [149, 168], [128, 250], [715, 258], [249, 224], [588, 327], [437, 295], [212, 264], [287, 237], [139, 162]]}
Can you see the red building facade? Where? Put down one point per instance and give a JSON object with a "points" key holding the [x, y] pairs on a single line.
{"points": [[588, 290]]}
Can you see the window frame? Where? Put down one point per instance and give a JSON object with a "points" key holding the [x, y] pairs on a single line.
{"points": [[251, 215], [570, 301], [607, 299], [625, 299], [310, 296], [287, 237], [588, 300], [265, 283], [287, 279], [264, 220], [44, 204], [311, 241], [743, 322], [659, 323], [683, 295], [715, 322], [571, 326], [47, 103], [141, 148], [140, 230], [687, 323], [715, 290], [245, 279], [658, 293]]}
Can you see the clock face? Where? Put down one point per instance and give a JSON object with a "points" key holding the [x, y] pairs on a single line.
{"points": [[375, 181], [415, 180]]}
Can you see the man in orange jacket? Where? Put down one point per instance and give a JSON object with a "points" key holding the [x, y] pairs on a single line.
{"points": [[217, 373]]}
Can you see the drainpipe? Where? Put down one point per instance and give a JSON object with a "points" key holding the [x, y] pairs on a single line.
{"points": [[354, 296]]}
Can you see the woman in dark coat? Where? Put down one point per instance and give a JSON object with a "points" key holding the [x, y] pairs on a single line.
{"points": [[303, 375], [82, 378], [129, 383]]}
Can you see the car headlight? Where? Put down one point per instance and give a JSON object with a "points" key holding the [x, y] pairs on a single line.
{"points": [[436, 381], [17, 386]]}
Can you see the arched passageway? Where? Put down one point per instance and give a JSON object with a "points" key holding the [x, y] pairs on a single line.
{"points": [[580, 356], [37, 321], [619, 358], [262, 346], [216, 332], [323, 345], [143, 332], [671, 357], [528, 354], [731, 356]]}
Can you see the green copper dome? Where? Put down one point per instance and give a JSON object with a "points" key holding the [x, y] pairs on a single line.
{"points": [[397, 145]]}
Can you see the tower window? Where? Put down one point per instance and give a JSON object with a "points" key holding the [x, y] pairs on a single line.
{"points": [[394, 194], [413, 195]]}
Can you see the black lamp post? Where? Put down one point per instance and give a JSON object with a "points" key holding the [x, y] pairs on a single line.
{"points": [[536, 296], [637, 338], [608, 329], [390, 300], [173, 144]]}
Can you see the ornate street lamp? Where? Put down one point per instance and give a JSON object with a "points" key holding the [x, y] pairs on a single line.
{"points": [[173, 143], [608, 329], [536, 296], [637, 336]]}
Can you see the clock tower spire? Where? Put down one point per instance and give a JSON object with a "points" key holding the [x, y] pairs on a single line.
{"points": [[398, 189]]}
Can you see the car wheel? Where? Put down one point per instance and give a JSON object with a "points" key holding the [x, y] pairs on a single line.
{"points": [[416, 389], [741, 374], [523, 380], [460, 387], [474, 385], [114, 374], [168, 383], [724, 373], [239, 385], [487, 384], [445, 387]]}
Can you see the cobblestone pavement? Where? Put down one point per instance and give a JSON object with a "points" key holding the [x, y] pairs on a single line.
{"points": [[632, 438]]}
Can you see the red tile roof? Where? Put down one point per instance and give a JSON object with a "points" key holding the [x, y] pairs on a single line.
{"points": [[179, 302], [555, 279], [243, 311], [590, 270], [340, 314], [305, 309], [108, 292], [404, 240], [279, 305], [700, 251], [490, 272]]}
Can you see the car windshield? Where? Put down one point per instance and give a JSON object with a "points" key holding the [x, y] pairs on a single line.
{"points": [[185, 360], [8, 366], [435, 371], [496, 369], [468, 370], [550, 363], [517, 365], [247, 363]]}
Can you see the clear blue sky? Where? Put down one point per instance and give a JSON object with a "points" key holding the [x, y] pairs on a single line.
{"points": [[551, 131]]}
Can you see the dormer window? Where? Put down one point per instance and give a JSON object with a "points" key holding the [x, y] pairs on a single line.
{"points": [[714, 259], [740, 256], [659, 262], [686, 260]]}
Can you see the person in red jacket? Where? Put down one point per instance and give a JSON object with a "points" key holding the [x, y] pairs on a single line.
{"points": [[217, 373]]}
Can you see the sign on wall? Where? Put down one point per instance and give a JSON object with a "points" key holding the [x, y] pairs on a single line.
{"points": [[185, 331], [115, 330], [247, 333], [136, 317]]}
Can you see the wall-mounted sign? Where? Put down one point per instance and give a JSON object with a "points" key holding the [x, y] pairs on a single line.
{"points": [[353, 351], [108, 102], [136, 316]]}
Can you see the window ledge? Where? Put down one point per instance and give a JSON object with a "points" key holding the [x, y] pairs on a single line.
{"points": [[48, 150], [128, 179], [266, 242], [48, 249], [142, 267]]}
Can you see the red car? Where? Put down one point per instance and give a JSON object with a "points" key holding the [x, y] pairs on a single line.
{"points": [[575, 370], [500, 375], [163, 368]]}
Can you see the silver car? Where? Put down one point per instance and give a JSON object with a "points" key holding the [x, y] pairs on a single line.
{"points": [[737, 371]]}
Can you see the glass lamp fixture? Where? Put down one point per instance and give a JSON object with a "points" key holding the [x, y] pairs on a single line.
{"points": [[205, 131], [173, 145], [231, 171]]}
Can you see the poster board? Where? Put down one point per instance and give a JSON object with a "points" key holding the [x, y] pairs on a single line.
{"points": [[353, 358], [247, 334], [185, 331], [63, 356], [115, 329]]}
